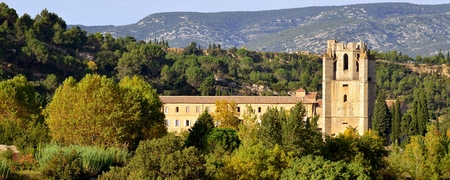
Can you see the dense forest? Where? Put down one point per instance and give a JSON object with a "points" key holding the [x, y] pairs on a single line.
{"points": [[81, 105]]}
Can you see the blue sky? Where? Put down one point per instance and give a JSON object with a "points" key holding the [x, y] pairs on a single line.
{"points": [[121, 12]]}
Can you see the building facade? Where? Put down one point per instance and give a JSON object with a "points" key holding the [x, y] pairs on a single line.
{"points": [[348, 95], [182, 111]]}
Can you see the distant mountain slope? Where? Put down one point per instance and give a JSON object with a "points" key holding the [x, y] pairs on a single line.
{"points": [[409, 28]]}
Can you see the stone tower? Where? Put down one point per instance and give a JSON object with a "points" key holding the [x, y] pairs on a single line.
{"points": [[348, 86]]}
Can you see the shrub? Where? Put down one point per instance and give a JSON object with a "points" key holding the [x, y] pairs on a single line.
{"points": [[115, 173], [4, 170], [64, 166]]}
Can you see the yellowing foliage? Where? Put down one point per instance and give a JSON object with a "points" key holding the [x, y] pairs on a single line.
{"points": [[226, 114]]}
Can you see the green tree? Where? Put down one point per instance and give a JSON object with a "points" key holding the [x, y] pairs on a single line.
{"points": [[143, 118], [255, 162], [396, 122], [298, 134], [423, 157], [207, 86], [195, 76], [269, 131], [248, 128], [19, 102], [351, 147], [197, 133], [222, 139], [315, 167], [44, 23], [381, 120], [163, 158], [422, 113]]}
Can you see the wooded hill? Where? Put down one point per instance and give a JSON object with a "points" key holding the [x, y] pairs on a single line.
{"points": [[46, 51], [409, 28]]}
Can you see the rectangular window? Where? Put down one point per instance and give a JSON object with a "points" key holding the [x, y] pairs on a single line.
{"points": [[259, 109], [176, 109], [345, 85], [177, 122], [188, 123], [197, 109], [167, 122], [187, 109], [238, 109], [166, 109], [207, 109]]}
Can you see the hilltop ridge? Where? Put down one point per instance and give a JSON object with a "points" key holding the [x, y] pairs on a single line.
{"points": [[409, 28]]}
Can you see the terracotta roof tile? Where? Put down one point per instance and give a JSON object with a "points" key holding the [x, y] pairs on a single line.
{"points": [[301, 90], [311, 95], [236, 99]]}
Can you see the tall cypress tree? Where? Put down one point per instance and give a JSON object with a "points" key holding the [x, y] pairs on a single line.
{"points": [[396, 120], [414, 125], [422, 114], [381, 120]]}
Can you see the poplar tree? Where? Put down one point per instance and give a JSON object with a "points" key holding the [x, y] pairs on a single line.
{"points": [[98, 111], [381, 120]]}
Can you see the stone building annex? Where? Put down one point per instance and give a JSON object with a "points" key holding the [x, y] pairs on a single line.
{"points": [[348, 87]]}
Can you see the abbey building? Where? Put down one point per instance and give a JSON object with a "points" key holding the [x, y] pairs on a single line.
{"points": [[348, 95]]}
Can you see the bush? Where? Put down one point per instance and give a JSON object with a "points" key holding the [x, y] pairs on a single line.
{"points": [[4, 170], [115, 173], [64, 166]]}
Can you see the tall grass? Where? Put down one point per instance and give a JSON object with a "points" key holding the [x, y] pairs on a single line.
{"points": [[94, 159], [4, 170]]}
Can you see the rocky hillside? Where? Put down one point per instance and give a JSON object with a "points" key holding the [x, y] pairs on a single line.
{"points": [[409, 28]]}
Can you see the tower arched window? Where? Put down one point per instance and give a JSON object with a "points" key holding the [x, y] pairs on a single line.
{"points": [[345, 62], [334, 69], [357, 66], [345, 97]]}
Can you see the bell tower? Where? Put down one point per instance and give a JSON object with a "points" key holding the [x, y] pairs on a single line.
{"points": [[348, 86]]}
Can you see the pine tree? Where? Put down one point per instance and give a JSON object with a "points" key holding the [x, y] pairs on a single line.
{"points": [[396, 120], [381, 120], [197, 133]]}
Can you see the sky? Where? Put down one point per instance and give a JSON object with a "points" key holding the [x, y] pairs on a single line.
{"points": [[123, 12]]}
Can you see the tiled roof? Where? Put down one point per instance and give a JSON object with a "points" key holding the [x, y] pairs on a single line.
{"points": [[311, 95], [301, 90], [236, 99]]}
